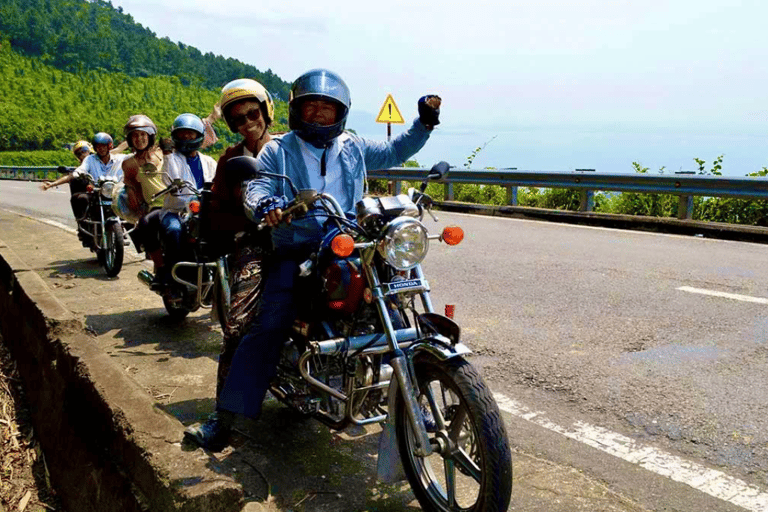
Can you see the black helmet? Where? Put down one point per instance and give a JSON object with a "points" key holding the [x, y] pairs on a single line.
{"points": [[318, 84]]}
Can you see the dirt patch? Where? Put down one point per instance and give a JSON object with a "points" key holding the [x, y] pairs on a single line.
{"points": [[24, 480]]}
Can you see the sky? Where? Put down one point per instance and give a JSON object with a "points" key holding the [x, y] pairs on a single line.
{"points": [[537, 84]]}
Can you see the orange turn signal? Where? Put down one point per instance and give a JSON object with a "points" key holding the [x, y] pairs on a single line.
{"points": [[89, 188], [342, 245], [194, 206], [452, 235]]}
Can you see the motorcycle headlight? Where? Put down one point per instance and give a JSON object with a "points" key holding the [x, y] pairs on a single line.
{"points": [[405, 243], [106, 189]]}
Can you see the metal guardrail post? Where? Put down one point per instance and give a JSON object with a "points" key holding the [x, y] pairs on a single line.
{"points": [[448, 191], [511, 196], [398, 187], [685, 208], [587, 203]]}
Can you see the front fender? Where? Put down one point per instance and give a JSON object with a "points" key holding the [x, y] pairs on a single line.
{"points": [[439, 347]]}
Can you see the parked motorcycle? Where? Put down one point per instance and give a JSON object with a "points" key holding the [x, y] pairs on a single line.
{"points": [[100, 229], [370, 348], [201, 278]]}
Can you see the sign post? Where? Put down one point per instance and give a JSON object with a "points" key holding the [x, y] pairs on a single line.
{"points": [[389, 114]]}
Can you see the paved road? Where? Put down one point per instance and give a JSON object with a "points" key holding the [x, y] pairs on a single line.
{"points": [[650, 347]]}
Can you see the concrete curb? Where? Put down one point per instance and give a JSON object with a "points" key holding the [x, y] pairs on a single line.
{"points": [[107, 445], [669, 225]]}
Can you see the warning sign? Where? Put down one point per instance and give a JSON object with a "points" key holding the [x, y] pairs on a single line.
{"points": [[389, 112]]}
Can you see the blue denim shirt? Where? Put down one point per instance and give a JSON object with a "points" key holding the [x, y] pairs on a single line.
{"points": [[283, 156]]}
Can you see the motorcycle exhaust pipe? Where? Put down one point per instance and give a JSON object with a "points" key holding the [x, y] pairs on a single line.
{"points": [[146, 277]]}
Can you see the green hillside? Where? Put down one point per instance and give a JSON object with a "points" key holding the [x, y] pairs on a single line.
{"points": [[80, 35], [71, 68], [44, 108]]}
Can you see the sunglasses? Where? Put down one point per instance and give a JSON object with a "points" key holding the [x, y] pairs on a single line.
{"points": [[82, 151], [252, 115]]}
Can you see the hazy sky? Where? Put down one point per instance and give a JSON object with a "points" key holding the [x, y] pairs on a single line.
{"points": [[559, 84]]}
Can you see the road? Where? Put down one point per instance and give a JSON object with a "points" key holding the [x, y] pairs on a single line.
{"points": [[609, 338]]}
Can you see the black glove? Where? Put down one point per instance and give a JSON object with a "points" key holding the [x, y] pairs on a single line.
{"points": [[270, 203], [429, 110]]}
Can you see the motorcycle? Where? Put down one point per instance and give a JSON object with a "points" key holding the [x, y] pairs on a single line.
{"points": [[201, 278], [369, 348], [100, 229]]}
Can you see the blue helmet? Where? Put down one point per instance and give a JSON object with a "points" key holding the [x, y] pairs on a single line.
{"points": [[318, 84], [188, 122], [102, 138]]}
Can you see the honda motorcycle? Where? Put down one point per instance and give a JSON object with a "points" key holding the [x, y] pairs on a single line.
{"points": [[100, 229], [369, 348], [201, 278]]}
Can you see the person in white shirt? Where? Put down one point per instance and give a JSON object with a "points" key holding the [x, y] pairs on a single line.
{"points": [[101, 163]]}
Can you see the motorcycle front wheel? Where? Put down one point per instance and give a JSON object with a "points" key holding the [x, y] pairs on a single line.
{"points": [[470, 468], [111, 256]]}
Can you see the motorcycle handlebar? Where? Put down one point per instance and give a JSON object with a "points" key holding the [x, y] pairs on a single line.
{"points": [[176, 185]]}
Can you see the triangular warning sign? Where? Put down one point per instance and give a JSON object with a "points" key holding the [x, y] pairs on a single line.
{"points": [[389, 112]]}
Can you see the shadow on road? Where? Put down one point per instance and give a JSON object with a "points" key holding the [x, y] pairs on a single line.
{"points": [[298, 464], [193, 337], [69, 269]]}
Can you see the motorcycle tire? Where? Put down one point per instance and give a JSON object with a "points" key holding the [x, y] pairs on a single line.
{"points": [[480, 465], [176, 312], [111, 257]]}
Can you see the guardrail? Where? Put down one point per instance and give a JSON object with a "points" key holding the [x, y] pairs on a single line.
{"points": [[685, 186], [28, 173], [588, 181]]}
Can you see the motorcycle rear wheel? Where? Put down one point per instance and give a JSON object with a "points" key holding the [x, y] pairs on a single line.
{"points": [[111, 257], [175, 311], [476, 474]]}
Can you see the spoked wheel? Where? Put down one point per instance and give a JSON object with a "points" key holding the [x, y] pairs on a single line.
{"points": [[471, 466], [111, 257]]}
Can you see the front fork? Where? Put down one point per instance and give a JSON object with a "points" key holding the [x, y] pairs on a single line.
{"points": [[99, 239], [401, 369]]}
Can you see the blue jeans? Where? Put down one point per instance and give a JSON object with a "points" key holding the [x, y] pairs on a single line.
{"points": [[171, 235], [165, 226], [255, 361]]}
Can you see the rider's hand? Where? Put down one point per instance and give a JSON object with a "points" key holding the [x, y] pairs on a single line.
{"points": [[429, 110], [270, 209], [46, 185]]}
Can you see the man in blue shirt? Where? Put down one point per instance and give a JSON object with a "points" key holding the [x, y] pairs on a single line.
{"points": [[317, 154], [188, 164]]}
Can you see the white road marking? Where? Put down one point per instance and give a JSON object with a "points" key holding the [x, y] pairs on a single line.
{"points": [[58, 225], [44, 221], [135, 257], [709, 481], [726, 295]]}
